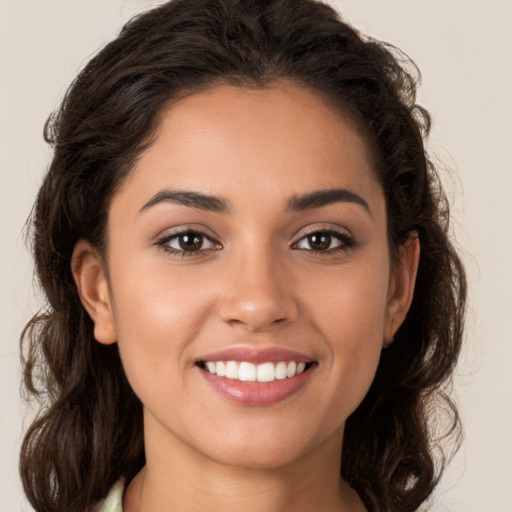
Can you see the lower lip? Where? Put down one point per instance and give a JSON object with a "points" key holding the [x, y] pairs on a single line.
{"points": [[257, 393]]}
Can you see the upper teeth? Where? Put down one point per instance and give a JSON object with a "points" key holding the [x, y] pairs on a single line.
{"points": [[245, 371]]}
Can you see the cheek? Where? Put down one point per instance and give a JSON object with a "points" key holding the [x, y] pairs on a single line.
{"points": [[157, 314], [350, 316], [350, 303]]}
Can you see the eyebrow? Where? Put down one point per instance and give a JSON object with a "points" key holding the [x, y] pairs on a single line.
{"points": [[325, 197], [192, 199], [300, 203]]}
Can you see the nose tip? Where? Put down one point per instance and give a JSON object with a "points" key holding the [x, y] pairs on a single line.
{"points": [[253, 315], [258, 300]]}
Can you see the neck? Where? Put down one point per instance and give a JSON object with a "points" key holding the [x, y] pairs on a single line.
{"points": [[176, 478]]}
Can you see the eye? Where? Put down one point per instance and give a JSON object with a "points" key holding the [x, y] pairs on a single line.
{"points": [[326, 240], [187, 243], [190, 242]]}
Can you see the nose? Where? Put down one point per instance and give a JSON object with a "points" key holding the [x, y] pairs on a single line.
{"points": [[258, 294]]}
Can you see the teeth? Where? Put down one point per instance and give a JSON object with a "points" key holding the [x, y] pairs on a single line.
{"points": [[232, 370], [266, 372], [219, 368], [281, 370], [291, 369], [249, 372]]}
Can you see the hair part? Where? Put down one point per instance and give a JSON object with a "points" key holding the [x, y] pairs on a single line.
{"points": [[89, 430]]}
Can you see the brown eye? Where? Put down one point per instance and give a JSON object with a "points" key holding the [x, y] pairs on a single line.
{"points": [[190, 241], [319, 241], [328, 241]]}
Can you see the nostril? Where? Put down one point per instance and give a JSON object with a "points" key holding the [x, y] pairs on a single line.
{"points": [[256, 310]]}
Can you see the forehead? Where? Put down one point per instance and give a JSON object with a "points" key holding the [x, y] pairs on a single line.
{"points": [[278, 141]]}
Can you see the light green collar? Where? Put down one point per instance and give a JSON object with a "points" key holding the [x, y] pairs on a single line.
{"points": [[114, 500]]}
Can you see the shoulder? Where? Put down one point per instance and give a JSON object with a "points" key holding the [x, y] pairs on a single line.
{"points": [[114, 500]]}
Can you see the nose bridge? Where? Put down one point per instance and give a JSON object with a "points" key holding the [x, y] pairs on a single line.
{"points": [[257, 295]]}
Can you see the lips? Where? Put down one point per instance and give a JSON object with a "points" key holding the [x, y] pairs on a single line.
{"points": [[246, 371], [256, 377]]}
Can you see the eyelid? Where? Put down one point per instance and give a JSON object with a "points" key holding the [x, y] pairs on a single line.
{"points": [[176, 237], [343, 234], [345, 237], [187, 228], [163, 240], [322, 228]]}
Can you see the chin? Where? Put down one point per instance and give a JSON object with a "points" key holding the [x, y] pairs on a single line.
{"points": [[269, 446], [260, 458]]}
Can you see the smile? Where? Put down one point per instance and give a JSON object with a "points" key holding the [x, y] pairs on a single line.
{"points": [[256, 377], [246, 371]]}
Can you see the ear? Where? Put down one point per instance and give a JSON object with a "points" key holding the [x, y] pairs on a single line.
{"points": [[90, 276], [401, 286]]}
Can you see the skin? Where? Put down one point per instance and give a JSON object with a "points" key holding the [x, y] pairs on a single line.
{"points": [[259, 283]]}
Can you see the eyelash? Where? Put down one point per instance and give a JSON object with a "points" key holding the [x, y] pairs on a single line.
{"points": [[345, 239], [165, 241]]}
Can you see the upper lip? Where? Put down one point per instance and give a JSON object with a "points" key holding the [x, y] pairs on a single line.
{"points": [[256, 355]]}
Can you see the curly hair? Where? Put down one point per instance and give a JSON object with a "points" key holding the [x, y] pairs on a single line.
{"points": [[89, 428]]}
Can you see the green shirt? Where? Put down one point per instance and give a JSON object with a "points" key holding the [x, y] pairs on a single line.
{"points": [[114, 500]]}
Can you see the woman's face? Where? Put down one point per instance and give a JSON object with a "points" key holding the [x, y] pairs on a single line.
{"points": [[250, 239]]}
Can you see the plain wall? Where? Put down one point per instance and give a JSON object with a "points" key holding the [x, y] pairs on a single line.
{"points": [[464, 50]]}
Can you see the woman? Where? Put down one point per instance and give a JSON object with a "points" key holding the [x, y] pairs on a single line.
{"points": [[229, 238]]}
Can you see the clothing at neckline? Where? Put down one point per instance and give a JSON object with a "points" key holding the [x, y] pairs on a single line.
{"points": [[114, 500]]}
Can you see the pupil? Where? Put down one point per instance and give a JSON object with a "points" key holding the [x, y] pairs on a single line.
{"points": [[320, 241], [190, 242]]}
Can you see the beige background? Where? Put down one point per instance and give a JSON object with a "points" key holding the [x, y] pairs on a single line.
{"points": [[464, 49]]}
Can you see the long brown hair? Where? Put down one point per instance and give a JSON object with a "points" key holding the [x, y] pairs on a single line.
{"points": [[88, 432]]}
